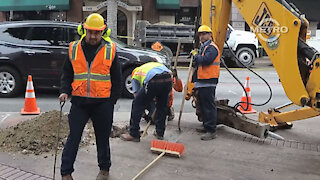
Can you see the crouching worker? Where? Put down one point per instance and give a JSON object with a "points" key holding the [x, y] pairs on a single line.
{"points": [[149, 81]]}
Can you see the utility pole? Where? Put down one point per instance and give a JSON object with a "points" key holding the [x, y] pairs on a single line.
{"points": [[112, 10]]}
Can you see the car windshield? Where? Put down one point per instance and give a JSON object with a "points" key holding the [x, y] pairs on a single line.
{"points": [[119, 43]]}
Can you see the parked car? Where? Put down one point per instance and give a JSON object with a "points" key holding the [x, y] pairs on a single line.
{"points": [[244, 45], [39, 48]]}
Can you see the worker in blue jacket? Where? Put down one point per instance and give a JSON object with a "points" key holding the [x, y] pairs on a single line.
{"points": [[205, 78]]}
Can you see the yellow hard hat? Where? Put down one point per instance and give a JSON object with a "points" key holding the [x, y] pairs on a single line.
{"points": [[204, 28], [95, 22]]}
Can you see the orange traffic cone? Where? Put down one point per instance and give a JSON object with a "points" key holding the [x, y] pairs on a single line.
{"points": [[30, 104], [244, 99]]}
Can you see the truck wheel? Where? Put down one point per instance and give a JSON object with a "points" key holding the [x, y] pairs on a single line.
{"points": [[10, 82], [127, 83], [246, 56], [167, 51], [229, 62]]}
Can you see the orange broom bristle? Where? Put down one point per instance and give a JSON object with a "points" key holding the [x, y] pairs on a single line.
{"points": [[175, 149], [158, 144]]}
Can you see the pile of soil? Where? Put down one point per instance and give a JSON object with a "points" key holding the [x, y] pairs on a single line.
{"points": [[35, 136], [39, 135], [117, 131]]}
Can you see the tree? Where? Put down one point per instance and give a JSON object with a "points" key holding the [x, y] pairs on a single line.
{"points": [[112, 10]]}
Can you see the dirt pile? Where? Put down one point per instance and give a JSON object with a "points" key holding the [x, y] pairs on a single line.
{"points": [[117, 131], [35, 136], [39, 135]]}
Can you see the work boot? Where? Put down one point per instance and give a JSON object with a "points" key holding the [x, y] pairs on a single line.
{"points": [[157, 136], [201, 130], [128, 137], [103, 175], [67, 177], [208, 136]]}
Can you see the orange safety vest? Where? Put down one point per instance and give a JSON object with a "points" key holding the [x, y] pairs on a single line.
{"points": [[92, 81], [210, 71]]}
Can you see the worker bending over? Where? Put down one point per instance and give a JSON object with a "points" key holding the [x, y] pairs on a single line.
{"points": [[149, 81]]}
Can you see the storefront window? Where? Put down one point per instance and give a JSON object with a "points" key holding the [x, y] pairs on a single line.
{"points": [[35, 15], [122, 26], [122, 32]]}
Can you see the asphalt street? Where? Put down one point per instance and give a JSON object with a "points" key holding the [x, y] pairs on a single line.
{"points": [[228, 88], [234, 155]]}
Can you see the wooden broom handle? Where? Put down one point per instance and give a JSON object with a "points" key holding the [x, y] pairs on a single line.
{"points": [[146, 130], [185, 90], [149, 165], [148, 125], [177, 54]]}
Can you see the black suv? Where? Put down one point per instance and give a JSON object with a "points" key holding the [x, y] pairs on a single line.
{"points": [[39, 48]]}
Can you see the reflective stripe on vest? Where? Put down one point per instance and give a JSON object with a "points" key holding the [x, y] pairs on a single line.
{"points": [[92, 80], [142, 71], [210, 71]]}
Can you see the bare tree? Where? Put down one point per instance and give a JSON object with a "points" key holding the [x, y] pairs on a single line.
{"points": [[112, 16]]}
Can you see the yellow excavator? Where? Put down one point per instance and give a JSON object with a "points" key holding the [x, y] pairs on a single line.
{"points": [[282, 32]]}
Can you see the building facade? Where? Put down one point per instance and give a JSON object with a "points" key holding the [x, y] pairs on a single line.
{"points": [[127, 14], [60, 10], [129, 11]]}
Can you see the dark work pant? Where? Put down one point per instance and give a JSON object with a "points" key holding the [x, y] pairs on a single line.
{"points": [[151, 107], [101, 115], [144, 97], [206, 96]]}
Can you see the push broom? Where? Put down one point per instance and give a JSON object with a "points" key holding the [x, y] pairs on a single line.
{"points": [[162, 147]]}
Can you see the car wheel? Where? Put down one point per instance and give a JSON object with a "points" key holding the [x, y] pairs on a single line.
{"points": [[246, 56], [167, 51], [10, 82], [127, 83]]}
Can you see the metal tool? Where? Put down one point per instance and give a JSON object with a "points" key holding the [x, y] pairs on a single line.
{"points": [[58, 139]]}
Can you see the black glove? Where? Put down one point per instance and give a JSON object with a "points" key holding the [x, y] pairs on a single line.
{"points": [[174, 73]]}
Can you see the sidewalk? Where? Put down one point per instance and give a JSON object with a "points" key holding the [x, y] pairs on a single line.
{"points": [[233, 155]]}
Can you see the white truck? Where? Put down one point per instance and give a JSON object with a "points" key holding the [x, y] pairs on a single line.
{"points": [[244, 45]]}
